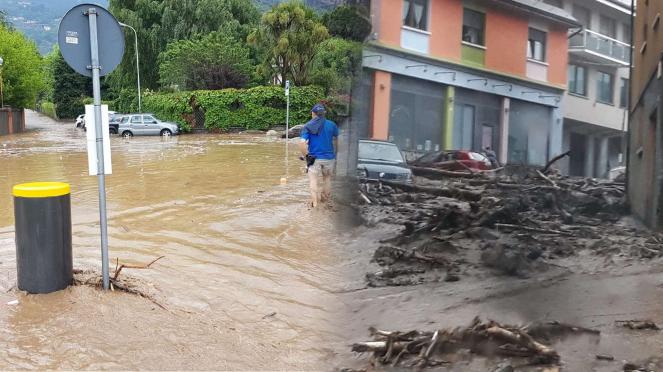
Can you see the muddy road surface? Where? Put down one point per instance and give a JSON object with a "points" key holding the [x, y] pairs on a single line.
{"points": [[247, 266]]}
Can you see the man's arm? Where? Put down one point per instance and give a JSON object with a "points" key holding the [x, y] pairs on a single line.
{"points": [[335, 139], [303, 142], [303, 146]]}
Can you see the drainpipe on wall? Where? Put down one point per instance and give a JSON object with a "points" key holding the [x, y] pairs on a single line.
{"points": [[626, 137], [658, 156]]}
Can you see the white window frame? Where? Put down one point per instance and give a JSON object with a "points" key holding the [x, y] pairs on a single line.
{"points": [[612, 88], [427, 16], [483, 28], [530, 51]]}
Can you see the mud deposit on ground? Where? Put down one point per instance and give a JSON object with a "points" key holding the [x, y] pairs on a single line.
{"points": [[520, 248], [516, 225], [246, 273]]}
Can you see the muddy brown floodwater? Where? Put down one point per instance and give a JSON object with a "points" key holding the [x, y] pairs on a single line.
{"points": [[246, 268], [254, 280]]}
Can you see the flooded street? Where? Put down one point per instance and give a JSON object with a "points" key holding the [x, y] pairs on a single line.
{"points": [[254, 280], [247, 271]]}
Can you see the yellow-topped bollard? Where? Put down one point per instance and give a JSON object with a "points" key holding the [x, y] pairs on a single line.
{"points": [[42, 214]]}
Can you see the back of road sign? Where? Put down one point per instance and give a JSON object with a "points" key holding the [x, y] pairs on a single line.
{"points": [[91, 134], [74, 40]]}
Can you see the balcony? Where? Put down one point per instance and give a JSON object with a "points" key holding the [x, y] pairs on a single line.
{"points": [[599, 48]]}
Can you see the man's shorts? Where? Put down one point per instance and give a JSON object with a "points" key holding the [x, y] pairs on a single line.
{"points": [[322, 167]]}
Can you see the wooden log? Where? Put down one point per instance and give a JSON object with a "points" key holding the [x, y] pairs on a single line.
{"points": [[523, 339], [553, 160], [547, 179], [532, 229], [449, 192], [439, 173], [368, 201], [127, 266], [376, 346], [466, 167]]}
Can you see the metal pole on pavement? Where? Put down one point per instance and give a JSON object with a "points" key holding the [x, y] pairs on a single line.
{"points": [[287, 123], [96, 92], [140, 110], [2, 98]]}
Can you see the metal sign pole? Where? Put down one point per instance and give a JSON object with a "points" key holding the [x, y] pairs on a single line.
{"points": [[287, 123], [96, 91]]}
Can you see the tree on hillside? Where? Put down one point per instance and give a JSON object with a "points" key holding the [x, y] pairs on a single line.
{"points": [[288, 36], [348, 22], [159, 23], [335, 65], [69, 87], [215, 61], [4, 21], [22, 71]]}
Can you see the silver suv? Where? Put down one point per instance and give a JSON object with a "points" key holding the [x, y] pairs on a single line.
{"points": [[145, 125]]}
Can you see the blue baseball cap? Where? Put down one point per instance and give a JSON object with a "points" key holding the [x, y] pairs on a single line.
{"points": [[318, 108]]}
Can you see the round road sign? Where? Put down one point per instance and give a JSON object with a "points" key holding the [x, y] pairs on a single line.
{"points": [[74, 39]]}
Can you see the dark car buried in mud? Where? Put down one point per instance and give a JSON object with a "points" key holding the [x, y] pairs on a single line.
{"points": [[381, 160]]}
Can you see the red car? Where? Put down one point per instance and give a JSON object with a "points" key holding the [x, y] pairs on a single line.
{"points": [[455, 160]]}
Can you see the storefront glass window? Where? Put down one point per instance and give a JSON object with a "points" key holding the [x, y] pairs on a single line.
{"points": [[529, 128], [416, 120], [476, 121]]}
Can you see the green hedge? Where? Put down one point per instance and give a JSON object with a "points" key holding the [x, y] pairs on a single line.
{"points": [[126, 101], [169, 107], [48, 109], [254, 108], [70, 107]]}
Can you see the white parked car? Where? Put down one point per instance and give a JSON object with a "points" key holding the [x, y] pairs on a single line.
{"points": [[146, 125], [80, 120], [617, 174], [110, 116]]}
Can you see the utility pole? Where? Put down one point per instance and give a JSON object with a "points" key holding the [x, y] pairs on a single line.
{"points": [[2, 97], [287, 123], [140, 109]]}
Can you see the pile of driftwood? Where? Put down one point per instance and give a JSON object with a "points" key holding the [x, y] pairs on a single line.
{"points": [[514, 215], [91, 277], [425, 349]]}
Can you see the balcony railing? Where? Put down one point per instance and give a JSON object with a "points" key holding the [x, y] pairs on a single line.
{"points": [[600, 44]]}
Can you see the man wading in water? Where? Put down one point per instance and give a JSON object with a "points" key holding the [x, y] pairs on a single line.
{"points": [[318, 145]]}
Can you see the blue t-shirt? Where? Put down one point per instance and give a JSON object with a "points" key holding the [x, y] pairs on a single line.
{"points": [[321, 145]]}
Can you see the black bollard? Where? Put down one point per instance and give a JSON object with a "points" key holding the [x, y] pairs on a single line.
{"points": [[42, 211]]}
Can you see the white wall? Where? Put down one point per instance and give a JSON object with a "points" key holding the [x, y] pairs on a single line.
{"points": [[588, 110]]}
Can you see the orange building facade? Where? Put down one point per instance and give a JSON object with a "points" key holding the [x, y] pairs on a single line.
{"points": [[455, 74]]}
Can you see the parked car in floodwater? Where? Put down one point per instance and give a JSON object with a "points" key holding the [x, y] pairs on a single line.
{"points": [[454, 160], [114, 123], [80, 120], [83, 124], [617, 174], [381, 160], [145, 125]]}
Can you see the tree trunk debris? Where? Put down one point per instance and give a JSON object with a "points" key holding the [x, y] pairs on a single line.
{"points": [[554, 160], [132, 286], [424, 349], [516, 222], [638, 324], [119, 269], [520, 221]]}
